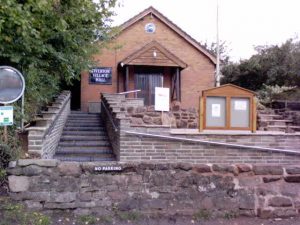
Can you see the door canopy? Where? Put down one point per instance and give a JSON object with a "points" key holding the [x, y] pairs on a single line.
{"points": [[153, 54]]}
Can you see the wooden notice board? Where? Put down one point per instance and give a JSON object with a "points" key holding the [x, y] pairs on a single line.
{"points": [[228, 107]]}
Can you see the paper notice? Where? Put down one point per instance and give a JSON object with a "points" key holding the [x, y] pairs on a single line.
{"points": [[240, 105], [216, 110]]}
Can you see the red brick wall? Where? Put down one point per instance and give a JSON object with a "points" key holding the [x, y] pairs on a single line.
{"points": [[198, 75]]}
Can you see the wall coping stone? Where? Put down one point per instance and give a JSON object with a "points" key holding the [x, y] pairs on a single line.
{"points": [[229, 133], [38, 162]]}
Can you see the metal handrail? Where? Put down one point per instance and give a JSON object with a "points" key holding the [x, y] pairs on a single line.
{"points": [[215, 143], [110, 117], [128, 92]]}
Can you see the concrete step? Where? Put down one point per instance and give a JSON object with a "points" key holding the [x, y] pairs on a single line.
{"points": [[80, 128], [83, 151], [276, 122], [276, 128], [82, 148], [84, 132], [81, 124], [86, 158], [85, 119], [102, 137], [270, 117], [83, 143]]}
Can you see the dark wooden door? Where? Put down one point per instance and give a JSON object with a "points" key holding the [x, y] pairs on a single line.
{"points": [[147, 83]]}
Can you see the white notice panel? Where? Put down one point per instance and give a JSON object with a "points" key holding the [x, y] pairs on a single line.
{"points": [[215, 110], [6, 116], [162, 99]]}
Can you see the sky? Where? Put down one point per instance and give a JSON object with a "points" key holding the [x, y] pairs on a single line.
{"points": [[243, 24]]}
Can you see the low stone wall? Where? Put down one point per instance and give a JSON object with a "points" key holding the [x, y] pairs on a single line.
{"points": [[44, 136], [137, 146], [149, 188], [175, 118]]}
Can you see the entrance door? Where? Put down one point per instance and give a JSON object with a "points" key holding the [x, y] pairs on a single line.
{"points": [[146, 82]]}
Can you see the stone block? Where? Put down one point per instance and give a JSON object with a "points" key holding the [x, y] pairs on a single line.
{"points": [[246, 200], [249, 181], [136, 121], [183, 166], [264, 213], [147, 119], [279, 201], [284, 213], [243, 168], [202, 168], [69, 169], [271, 179], [38, 162], [64, 197], [18, 183], [293, 170], [52, 205], [32, 170], [225, 169], [33, 205], [85, 197], [267, 170], [12, 164], [157, 120], [292, 179]]}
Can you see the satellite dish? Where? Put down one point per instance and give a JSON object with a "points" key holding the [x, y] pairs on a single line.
{"points": [[12, 84]]}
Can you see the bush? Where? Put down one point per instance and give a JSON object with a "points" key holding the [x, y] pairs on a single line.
{"points": [[8, 152], [270, 93]]}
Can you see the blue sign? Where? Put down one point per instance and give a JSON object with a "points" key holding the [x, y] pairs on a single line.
{"points": [[101, 75]]}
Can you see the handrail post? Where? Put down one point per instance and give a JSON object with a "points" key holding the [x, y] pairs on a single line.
{"points": [[110, 117]]}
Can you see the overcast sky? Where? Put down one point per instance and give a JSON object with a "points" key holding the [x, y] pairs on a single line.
{"points": [[242, 23]]}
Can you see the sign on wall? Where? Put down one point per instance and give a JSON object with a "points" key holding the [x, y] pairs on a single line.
{"points": [[6, 115], [162, 99], [101, 75]]}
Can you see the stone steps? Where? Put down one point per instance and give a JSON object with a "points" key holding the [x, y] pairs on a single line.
{"points": [[85, 158], [81, 128], [84, 138], [70, 143], [85, 133], [274, 120]]}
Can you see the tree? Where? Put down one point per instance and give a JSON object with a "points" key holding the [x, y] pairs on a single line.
{"points": [[51, 41], [272, 65]]}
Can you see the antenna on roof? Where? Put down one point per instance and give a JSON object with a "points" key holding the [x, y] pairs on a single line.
{"points": [[218, 50]]}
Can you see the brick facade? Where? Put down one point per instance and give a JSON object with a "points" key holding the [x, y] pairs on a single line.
{"points": [[197, 76]]}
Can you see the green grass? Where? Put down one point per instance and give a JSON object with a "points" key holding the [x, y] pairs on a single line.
{"points": [[12, 213], [202, 214]]}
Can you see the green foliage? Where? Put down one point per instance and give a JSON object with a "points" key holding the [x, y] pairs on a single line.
{"points": [[269, 93], [129, 216], [272, 65], [202, 214], [51, 41], [87, 219], [230, 215], [16, 214]]}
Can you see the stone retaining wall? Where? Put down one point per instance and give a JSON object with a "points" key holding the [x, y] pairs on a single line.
{"points": [[149, 188], [137, 147], [175, 118], [44, 136]]}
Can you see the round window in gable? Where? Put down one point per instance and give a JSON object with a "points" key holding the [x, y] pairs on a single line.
{"points": [[150, 28]]}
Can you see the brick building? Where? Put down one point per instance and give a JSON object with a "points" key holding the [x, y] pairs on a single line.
{"points": [[150, 51]]}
